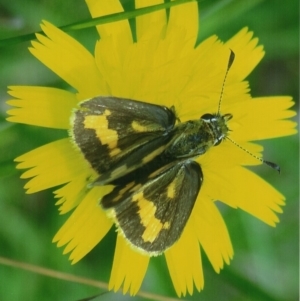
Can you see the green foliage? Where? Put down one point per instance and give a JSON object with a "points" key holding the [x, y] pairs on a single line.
{"points": [[265, 265]]}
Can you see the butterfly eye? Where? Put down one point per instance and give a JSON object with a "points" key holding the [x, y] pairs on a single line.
{"points": [[207, 117]]}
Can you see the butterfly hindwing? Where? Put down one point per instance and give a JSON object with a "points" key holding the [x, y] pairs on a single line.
{"points": [[153, 214], [118, 135]]}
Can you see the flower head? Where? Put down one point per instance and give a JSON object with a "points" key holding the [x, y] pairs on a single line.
{"points": [[162, 67]]}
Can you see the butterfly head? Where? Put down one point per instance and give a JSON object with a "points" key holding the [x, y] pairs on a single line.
{"points": [[217, 125]]}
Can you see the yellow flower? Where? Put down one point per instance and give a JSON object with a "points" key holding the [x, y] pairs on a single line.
{"points": [[163, 67]]}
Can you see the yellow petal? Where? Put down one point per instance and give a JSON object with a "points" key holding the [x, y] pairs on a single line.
{"points": [[227, 155], [53, 164], [248, 54], [151, 63], [184, 262], [72, 193], [121, 67], [212, 232], [41, 106], [129, 266], [153, 24], [70, 60], [117, 33], [263, 118], [241, 188], [200, 93], [86, 227], [120, 29], [184, 20]]}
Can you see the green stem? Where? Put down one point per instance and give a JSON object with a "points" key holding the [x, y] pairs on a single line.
{"points": [[98, 21]]}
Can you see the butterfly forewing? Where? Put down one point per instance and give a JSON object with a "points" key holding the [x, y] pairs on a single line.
{"points": [[118, 135]]}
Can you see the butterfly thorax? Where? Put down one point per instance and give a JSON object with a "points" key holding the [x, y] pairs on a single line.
{"points": [[195, 137]]}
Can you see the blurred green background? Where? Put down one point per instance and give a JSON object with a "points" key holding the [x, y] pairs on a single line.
{"points": [[266, 261]]}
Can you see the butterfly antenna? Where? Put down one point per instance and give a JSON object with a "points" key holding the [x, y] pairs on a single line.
{"points": [[271, 164], [230, 62]]}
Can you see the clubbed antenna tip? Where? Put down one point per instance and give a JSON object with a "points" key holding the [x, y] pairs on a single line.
{"points": [[273, 165], [230, 62]]}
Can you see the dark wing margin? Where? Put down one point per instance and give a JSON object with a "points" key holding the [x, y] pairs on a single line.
{"points": [[112, 132], [152, 215]]}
